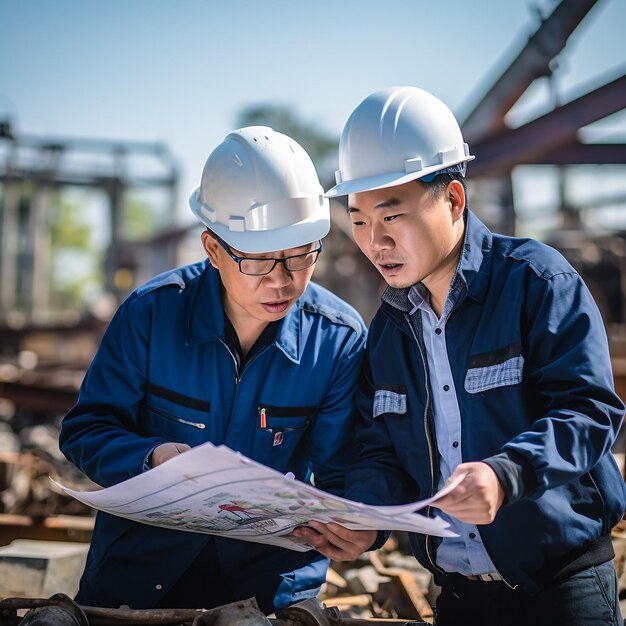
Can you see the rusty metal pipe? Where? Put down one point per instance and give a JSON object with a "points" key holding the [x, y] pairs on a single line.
{"points": [[123, 616], [58, 610], [306, 613]]}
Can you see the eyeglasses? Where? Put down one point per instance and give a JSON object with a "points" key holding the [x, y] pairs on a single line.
{"points": [[257, 266]]}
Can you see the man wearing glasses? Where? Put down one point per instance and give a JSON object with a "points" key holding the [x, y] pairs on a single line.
{"points": [[241, 350]]}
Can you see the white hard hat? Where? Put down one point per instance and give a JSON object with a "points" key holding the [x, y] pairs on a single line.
{"points": [[395, 136], [260, 192]]}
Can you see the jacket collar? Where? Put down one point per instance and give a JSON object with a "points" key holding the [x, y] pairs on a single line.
{"points": [[205, 315], [476, 257], [473, 269]]}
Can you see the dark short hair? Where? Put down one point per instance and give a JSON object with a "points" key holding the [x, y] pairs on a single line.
{"points": [[440, 183]]}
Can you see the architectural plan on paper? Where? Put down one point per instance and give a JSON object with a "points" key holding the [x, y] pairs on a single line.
{"points": [[211, 489]]}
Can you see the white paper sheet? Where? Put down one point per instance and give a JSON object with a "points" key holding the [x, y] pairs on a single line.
{"points": [[211, 489]]}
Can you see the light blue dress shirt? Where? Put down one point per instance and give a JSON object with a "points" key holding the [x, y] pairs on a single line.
{"points": [[466, 553]]}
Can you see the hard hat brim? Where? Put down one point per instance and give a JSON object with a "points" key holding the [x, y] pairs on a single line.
{"points": [[382, 181], [262, 241]]}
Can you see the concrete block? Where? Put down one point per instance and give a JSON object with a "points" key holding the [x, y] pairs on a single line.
{"points": [[39, 569]]}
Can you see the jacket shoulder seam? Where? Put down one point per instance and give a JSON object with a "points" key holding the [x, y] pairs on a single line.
{"points": [[546, 275], [172, 280], [334, 315], [540, 269]]}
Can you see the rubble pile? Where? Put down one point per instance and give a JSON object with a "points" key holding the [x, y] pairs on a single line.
{"points": [[39, 377], [387, 583], [28, 459]]}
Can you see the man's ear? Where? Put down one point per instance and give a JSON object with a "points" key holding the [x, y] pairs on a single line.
{"points": [[210, 245], [456, 197]]}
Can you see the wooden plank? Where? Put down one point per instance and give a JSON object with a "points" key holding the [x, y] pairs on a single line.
{"points": [[53, 528]]}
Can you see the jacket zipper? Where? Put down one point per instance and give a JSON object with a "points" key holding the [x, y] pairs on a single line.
{"points": [[429, 440], [427, 429], [238, 374], [198, 425], [232, 356]]}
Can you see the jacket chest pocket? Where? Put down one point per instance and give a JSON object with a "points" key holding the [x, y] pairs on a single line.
{"points": [[283, 425], [174, 416], [491, 370]]}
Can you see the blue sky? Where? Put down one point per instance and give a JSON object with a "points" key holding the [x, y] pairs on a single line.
{"points": [[180, 71]]}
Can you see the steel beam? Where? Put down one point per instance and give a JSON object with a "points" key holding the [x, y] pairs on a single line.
{"points": [[9, 240], [533, 61], [61, 179], [549, 133], [577, 153]]}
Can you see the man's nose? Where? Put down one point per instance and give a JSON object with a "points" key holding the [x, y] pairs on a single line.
{"points": [[380, 238], [279, 276]]}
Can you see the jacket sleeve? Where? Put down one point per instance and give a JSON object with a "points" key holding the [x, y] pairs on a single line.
{"points": [[568, 369], [100, 434], [330, 437]]}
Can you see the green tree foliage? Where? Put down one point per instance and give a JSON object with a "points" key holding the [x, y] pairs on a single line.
{"points": [[75, 260], [139, 220], [69, 228]]}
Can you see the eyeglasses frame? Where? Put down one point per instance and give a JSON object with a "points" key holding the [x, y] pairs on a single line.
{"points": [[239, 259]]}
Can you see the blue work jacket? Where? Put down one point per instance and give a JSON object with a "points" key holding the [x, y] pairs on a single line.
{"points": [[531, 369], [163, 372]]}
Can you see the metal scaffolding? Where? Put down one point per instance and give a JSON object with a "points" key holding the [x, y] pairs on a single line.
{"points": [[32, 169], [553, 138]]}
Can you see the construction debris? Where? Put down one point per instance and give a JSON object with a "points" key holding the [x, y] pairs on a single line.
{"points": [[25, 485], [387, 583], [27, 489], [60, 610], [30, 505]]}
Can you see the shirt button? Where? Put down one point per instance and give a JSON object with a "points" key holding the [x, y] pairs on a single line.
{"points": [[455, 444], [446, 387], [438, 331], [472, 535]]}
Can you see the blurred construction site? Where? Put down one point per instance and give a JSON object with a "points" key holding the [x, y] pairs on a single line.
{"points": [[84, 221]]}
